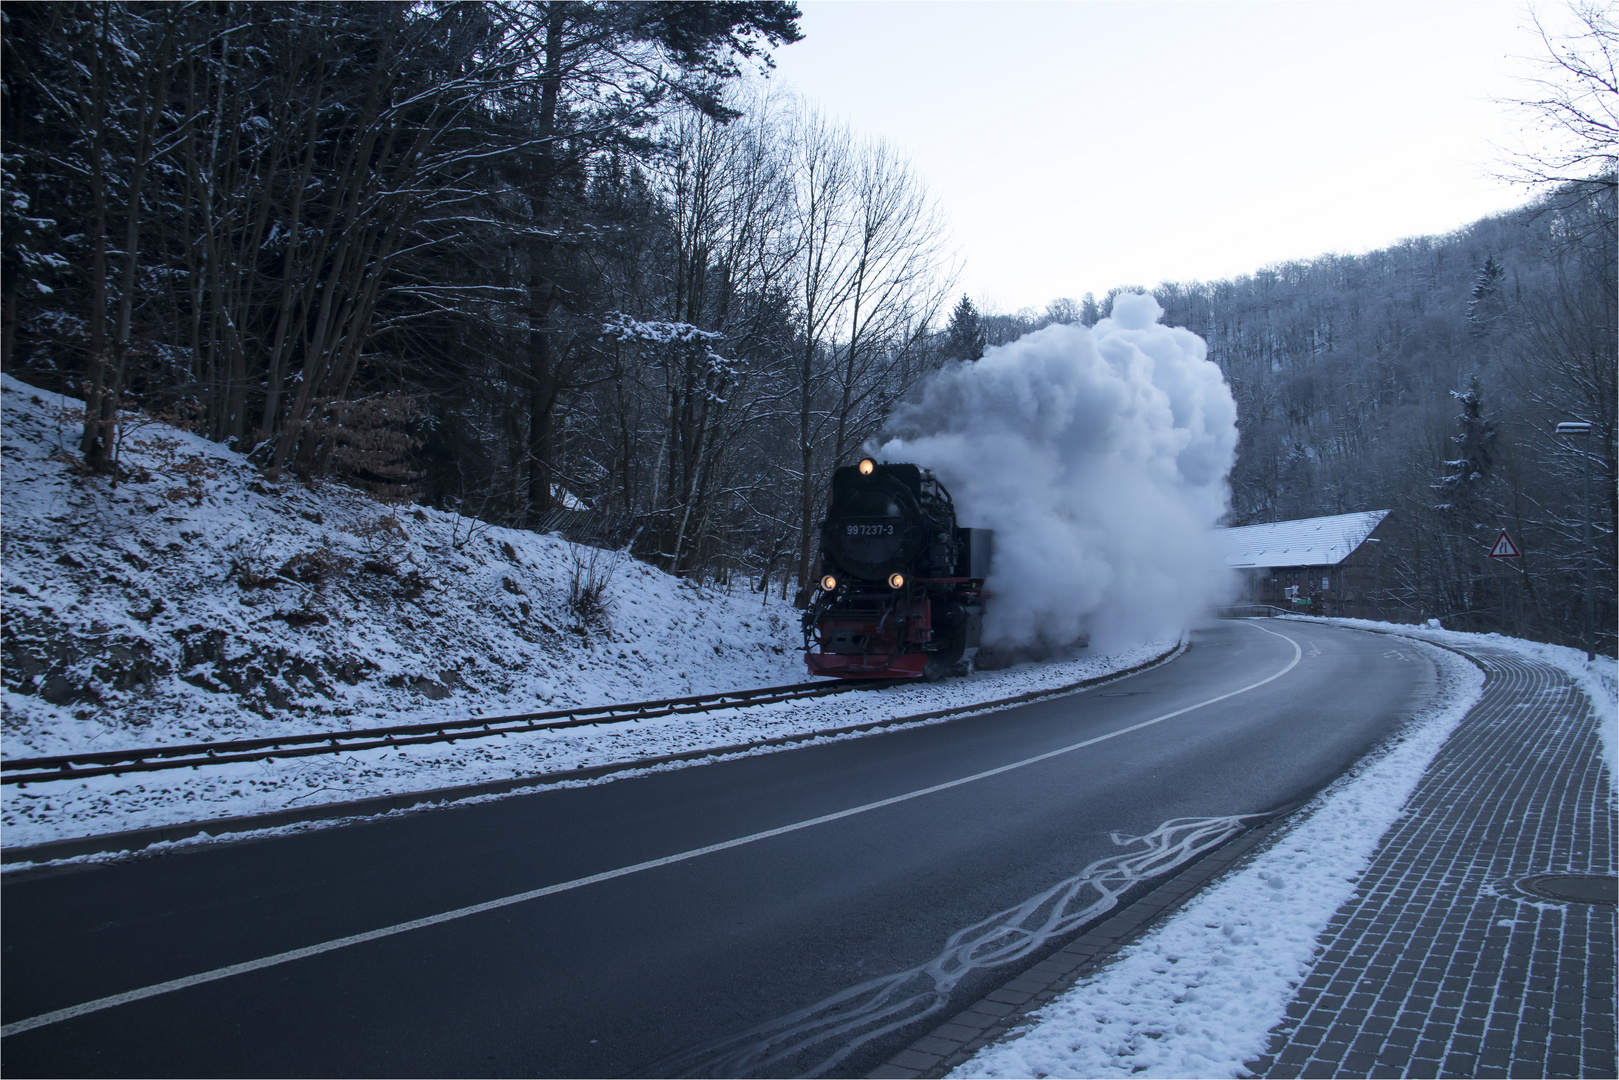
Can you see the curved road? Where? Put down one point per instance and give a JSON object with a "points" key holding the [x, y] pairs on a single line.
{"points": [[649, 925]]}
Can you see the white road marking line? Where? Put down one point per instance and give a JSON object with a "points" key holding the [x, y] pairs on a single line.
{"points": [[56, 1017]]}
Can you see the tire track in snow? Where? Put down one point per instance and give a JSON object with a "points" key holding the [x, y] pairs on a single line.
{"points": [[850, 1019]]}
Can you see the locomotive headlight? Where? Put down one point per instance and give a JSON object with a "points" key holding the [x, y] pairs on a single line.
{"points": [[867, 466], [829, 583], [896, 581]]}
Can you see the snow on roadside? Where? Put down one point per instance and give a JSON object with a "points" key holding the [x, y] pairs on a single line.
{"points": [[193, 601], [104, 804], [1198, 995]]}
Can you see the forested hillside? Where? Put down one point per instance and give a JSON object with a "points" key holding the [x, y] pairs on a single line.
{"points": [[1429, 378], [546, 265]]}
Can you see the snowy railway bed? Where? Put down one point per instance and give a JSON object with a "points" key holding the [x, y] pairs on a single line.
{"points": [[227, 797], [195, 755]]}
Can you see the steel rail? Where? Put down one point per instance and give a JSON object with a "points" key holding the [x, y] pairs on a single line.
{"points": [[193, 755]]}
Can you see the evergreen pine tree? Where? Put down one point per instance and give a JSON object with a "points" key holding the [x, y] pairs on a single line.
{"points": [[967, 337], [1488, 306], [1468, 473]]}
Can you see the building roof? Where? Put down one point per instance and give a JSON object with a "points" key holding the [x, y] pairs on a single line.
{"points": [[1321, 541]]}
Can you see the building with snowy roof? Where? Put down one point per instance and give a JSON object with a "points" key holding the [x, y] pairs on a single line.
{"points": [[1324, 565]]}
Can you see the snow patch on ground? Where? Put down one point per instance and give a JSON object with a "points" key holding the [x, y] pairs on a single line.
{"points": [[1199, 995]]}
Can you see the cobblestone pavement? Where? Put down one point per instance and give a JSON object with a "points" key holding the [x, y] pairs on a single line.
{"points": [[1441, 966]]}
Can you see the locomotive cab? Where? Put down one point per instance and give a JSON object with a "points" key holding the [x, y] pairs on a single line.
{"points": [[900, 590]]}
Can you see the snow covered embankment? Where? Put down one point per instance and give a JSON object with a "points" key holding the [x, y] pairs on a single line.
{"points": [[192, 601]]}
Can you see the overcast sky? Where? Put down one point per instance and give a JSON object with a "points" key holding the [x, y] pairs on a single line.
{"points": [[1078, 146]]}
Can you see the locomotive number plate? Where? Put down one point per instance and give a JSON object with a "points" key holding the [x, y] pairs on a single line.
{"points": [[869, 530]]}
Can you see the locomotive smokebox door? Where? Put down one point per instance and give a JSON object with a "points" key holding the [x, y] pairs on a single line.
{"points": [[873, 528]]}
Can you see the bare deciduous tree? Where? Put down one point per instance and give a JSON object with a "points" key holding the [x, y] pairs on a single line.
{"points": [[870, 275], [1572, 105]]}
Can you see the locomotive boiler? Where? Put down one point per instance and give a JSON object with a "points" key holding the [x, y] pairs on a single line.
{"points": [[901, 585]]}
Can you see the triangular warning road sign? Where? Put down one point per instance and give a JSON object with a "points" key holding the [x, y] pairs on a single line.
{"points": [[1504, 548]]}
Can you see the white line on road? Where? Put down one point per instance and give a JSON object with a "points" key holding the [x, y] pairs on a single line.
{"points": [[172, 985]]}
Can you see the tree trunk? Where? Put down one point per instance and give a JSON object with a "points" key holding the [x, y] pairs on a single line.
{"points": [[542, 292], [806, 452], [99, 405], [541, 403]]}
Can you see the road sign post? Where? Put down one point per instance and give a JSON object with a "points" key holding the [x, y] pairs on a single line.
{"points": [[1504, 548]]}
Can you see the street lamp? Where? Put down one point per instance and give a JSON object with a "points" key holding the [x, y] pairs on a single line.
{"points": [[1570, 428]]}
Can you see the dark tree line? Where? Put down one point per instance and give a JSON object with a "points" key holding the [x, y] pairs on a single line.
{"points": [[509, 257], [1430, 379], [253, 207]]}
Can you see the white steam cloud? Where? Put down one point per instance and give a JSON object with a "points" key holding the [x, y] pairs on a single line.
{"points": [[1099, 457]]}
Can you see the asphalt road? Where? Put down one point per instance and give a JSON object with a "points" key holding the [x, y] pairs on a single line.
{"points": [[640, 971]]}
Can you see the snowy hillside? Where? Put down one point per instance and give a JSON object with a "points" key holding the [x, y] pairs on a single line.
{"points": [[192, 600]]}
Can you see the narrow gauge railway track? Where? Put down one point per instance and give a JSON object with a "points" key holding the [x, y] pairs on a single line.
{"points": [[193, 755]]}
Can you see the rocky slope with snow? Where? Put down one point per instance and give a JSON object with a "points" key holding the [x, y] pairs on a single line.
{"points": [[191, 599]]}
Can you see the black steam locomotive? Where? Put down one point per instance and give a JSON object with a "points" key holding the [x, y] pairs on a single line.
{"points": [[901, 587]]}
